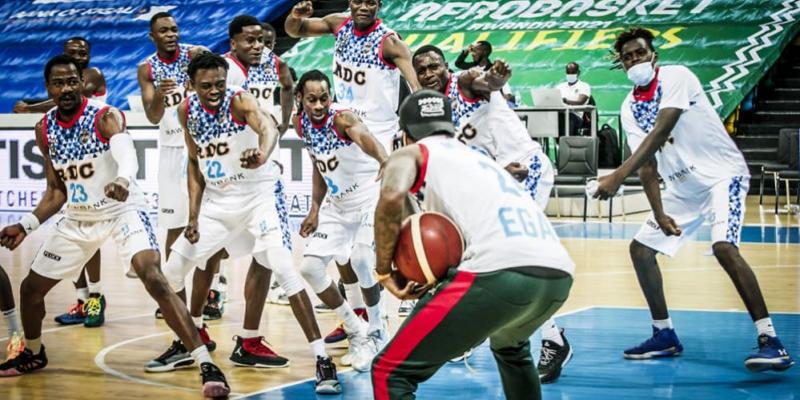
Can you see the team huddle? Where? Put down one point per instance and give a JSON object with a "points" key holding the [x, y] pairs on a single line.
{"points": [[378, 156]]}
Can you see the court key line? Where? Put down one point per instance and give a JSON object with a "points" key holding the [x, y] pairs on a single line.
{"points": [[685, 269]]}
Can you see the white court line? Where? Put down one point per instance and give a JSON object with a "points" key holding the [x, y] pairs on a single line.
{"points": [[685, 269], [698, 310], [100, 361], [285, 385]]}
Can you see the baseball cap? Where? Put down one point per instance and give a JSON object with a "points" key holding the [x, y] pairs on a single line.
{"points": [[426, 112]]}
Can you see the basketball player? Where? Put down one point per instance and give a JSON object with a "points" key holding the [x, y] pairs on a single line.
{"points": [[347, 160], [369, 59], [674, 132], [16, 343], [163, 82], [233, 205], [94, 86], [513, 276], [484, 121], [90, 165], [90, 307]]}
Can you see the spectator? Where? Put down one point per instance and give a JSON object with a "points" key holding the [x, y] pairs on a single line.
{"points": [[574, 92], [481, 50]]}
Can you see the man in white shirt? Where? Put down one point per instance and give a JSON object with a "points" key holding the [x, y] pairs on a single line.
{"points": [[574, 92], [674, 132]]}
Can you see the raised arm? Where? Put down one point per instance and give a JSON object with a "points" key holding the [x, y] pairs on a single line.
{"points": [[299, 22], [93, 82], [349, 124], [397, 52], [461, 61], [287, 95], [152, 99], [55, 196], [245, 108], [476, 82]]}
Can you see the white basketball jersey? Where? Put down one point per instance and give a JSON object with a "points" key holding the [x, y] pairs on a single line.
{"points": [[170, 131], [490, 127], [502, 226], [348, 171], [83, 161], [220, 141], [260, 80], [363, 80]]}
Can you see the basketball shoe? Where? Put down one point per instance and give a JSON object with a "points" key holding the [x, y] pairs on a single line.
{"points": [[771, 355], [75, 315], [327, 381], [553, 357], [24, 363], [254, 352], [15, 346], [95, 309], [338, 334], [214, 383], [663, 343], [214, 306]]}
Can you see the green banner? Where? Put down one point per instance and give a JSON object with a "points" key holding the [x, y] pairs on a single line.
{"points": [[729, 44]]}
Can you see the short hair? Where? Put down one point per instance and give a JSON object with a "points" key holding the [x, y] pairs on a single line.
{"points": [[61, 59], [487, 46], [157, 16], [79, 39], [237, 24], [633, 34], [268, 27], [313, 75], [206, 60], [427, 49], [575, 64]]}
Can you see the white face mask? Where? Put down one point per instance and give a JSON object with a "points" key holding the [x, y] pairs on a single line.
{"points": [[643, 73], [572, 78]]}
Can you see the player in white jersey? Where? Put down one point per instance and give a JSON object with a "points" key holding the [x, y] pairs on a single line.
{"points": [[232, 205], [90, 165], [513, 275], [368, 61], [484, 121], [674, 132], [347, 160]]}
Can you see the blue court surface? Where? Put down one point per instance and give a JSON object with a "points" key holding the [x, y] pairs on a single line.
{"points": [[627, 230], [711, 366]]}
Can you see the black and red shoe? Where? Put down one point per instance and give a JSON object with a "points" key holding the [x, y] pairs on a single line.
{"points": [[24, 363], [204, 336], [214, 383], [254, 352]]}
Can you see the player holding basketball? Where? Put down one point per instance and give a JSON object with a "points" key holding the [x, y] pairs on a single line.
{"points": [[513, 276], [675, 133], [90, 165], [347, 160], [484, 121], [368, 61]]}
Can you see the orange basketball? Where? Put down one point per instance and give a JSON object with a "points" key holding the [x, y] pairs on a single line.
{"points": [[428, 245]]}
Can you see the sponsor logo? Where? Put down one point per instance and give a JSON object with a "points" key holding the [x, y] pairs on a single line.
{"points": [[84, 136], [653, 224], [320, 235], [52, 256], [167, 211], [431, 107]]}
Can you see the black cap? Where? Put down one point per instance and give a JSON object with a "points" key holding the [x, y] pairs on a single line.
{"points": [[426, 112]]}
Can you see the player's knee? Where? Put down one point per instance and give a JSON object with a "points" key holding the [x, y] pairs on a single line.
{"points": [[313, 271], [175, 271], [639, 251], [155, 283], [287, 276], [725, 252]]}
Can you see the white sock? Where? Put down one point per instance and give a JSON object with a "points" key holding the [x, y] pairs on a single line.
{"points": [[12, 322], [663, 323], [94, 287], [352, 323], [318, 347], [764, 327], [82, 294], [198, 322], [249, 333], [201, 355], [353, 293], [34, 344], [215, 282], [551, 332], [375, 321]]}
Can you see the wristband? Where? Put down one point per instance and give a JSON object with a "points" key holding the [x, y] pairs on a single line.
{"points": [[29, 223], [380, 277]]}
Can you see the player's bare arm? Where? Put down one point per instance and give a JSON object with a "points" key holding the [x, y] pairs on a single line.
{"points": [[299, 22], [318, 191], [287, 95], [648, 174], [152, 98], [399, 175], [55, 196], [665, 121], [110, 125], [195, 181], [245, 108], [398, 53], [356, 131], [477, 82]]}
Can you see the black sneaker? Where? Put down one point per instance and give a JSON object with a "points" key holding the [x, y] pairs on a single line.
{"points": [[254, 352], [214, 383], [553, 358], [214, 307], [175, 357], [327, 382], [24, 363], [158, 314]]}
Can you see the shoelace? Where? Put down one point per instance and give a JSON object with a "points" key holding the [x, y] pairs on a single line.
{"points": [[93, 306], [26, 361], [261, 348], [547, 355], [15, 347], [211, 373], [326, 370], [173, 348], [76, 308]]}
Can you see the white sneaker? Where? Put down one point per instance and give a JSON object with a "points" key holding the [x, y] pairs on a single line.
{"points": [[369, 348], [355, 341], [277, 295]]}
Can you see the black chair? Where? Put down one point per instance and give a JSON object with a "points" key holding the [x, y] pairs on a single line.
{"points": [[791, 173], [774, 167], [577, 163]]}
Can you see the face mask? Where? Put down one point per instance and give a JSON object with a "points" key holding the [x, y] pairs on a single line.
{"points": [[572, 78], [643, 73]]}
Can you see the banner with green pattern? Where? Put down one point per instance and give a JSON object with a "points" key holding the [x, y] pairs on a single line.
{"points": [[729, 44]]}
